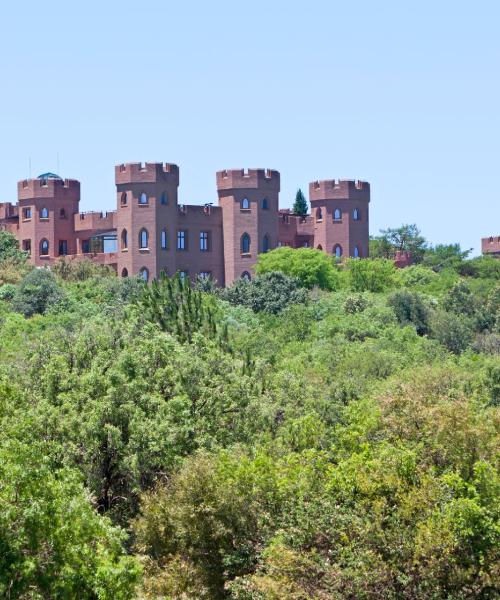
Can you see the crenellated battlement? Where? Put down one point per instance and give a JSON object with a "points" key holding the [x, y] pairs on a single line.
{"points": [[248, 179], [47, 188], [339, 189], [146, 173]]}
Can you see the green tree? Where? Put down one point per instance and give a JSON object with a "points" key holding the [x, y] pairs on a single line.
{"points": [[371, 275], [9, 247], [445, 256], [300, 206], [311, 267], [406, 238], [36, 293], [270, 292], [410, 309], [53, 543]]}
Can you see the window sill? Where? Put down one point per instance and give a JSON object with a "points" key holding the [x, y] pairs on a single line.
{"points": [[337, 220], [144, 250], [26, 220], [143, 205], [181, 249], [245, 210], [44, 219], [44, 256], [245, 255], [319, 220], [124, 250]]}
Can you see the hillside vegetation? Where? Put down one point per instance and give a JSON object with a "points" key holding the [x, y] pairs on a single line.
{"points": [[326, 431]]}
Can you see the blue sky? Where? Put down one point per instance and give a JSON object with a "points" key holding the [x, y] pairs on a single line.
{"points": [[403, 94]]}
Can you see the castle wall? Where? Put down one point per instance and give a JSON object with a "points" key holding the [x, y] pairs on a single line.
{"points": [[491, 245], [213, 236]]}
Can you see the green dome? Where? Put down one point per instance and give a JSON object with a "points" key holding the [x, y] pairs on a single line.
{"points": [[49, 176]]}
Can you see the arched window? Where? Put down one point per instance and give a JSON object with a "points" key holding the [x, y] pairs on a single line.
{"points": [[337, 214], [337, 250], [124, 239], [62, 213], [265, 243], [143, 238], [163, 239], [320, 247], [144, 273], [319, 214], [124, 272], [246, 275], [357, 252], [265, 204], [355, 215], [245, 204], [44, 247], [245, 244], [123, 199], [164, 199], [143, 199], [44, 213]]}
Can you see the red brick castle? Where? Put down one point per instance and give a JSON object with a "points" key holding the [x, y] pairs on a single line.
{"points": [[150, 231]]}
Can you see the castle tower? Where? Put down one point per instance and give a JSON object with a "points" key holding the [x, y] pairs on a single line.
{"points": [[146, 218], [47, 206], [249, 202], [340, 212]]}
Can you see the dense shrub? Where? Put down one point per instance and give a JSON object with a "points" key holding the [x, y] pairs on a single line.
{"points": [[36, 293], [271, 292], [486, 267], [371, 275], [410, 309], [311, 267], [7, 291], [454, 331], [9, 248], [416, 275], [355, 304]]}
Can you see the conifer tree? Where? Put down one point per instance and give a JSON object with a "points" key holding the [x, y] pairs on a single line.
{"points": [[300, 205]]}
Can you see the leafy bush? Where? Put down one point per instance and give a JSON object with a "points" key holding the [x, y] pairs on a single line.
{"points": [[410, 309], [454, 331], [36, 293], [355, 304], [416, 275], [371, 275], [80, 270], [311, 267], [9, 248], [7, 291], [486, 267], [460, 300], [271, 292]]}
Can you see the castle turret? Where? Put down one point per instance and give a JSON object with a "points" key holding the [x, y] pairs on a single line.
{"points": [[47, 206], [146, 218], [340, 211], [249, 202]]}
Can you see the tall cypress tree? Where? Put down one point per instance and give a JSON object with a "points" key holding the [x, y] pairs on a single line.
{"points": [[300, 205]]}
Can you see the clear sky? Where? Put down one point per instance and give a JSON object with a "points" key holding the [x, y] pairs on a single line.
{"points": [[404, 94]]}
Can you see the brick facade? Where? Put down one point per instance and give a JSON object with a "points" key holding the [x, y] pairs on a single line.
{"points": [[151, 232], [491, 245]]}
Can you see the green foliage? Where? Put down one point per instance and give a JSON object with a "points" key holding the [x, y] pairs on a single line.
{"points": [[486, 267], [80, 270], [36, 293], [177, 308], [300, 206], [53, 543], [270, 292], [9, 248], [445, 256], [371, 275], [311, 267], [410, 309], [7, 291], [343, 447], [406, 238]]}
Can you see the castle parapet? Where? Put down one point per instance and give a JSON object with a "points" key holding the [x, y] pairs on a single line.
{"points": [[230, 179], [47, 188], [146, 173], [336, 189]]}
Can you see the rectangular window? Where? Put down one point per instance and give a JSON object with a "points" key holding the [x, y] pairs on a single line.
{"points": [[63, 247], [85, 246], [183, 274], [27, 213], [181, 240], [204, 241], [27, 246]]}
